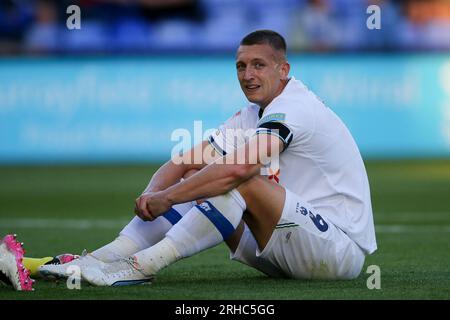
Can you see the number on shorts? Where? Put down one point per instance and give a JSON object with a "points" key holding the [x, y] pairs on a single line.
{"points": [[317, 219], [319, 222]]}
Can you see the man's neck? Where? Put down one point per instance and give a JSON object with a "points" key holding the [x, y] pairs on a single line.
{"points": [[280, 91]]}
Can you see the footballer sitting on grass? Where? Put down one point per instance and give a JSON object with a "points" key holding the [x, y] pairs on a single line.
{"points": [[309, 218]]}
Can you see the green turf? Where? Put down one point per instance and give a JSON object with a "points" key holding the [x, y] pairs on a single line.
{"points": [[414, 262]]}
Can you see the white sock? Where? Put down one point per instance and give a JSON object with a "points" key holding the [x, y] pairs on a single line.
{"points": [[138, 235], [195, 232], [158, 256], [148, 233], [120, 247], [208, 224]]}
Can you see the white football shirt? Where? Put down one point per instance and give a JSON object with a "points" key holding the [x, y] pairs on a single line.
{"points": [[320, 162]]}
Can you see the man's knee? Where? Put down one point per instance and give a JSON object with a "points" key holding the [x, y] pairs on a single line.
{"points": [[256, 185]]}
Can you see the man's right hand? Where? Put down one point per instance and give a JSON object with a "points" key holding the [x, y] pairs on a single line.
{"points": [[151, 205], [141, 207]]}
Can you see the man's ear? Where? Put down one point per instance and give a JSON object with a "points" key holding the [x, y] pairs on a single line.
{"points": [[284, 70]]}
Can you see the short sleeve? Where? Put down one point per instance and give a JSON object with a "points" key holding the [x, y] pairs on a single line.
{"points": [[287, 119], [234, 131]]}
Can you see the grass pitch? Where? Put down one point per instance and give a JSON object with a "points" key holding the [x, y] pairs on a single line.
{"points": [[66, 209]]}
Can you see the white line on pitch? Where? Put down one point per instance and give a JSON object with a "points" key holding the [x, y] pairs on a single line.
{"points": [[85, 224], [50, 223], [396, 228]]}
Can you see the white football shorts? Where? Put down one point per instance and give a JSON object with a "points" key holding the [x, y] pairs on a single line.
{"points": [[302, 246]]}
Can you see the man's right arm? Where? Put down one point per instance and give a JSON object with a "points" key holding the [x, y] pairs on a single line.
{"points": [[184, 165]]}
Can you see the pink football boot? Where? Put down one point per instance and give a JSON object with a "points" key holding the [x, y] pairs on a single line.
{"points": [[12, 270]]}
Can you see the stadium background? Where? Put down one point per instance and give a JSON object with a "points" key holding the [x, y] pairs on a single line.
{"points": [[87, 115]]}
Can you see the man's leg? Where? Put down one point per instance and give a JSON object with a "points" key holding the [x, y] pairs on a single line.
{"points": [[205, 226], [137, 235], [301, 244], [242, 244], [223, 223], [265, 203], [243, 248], [317, 248], [306, 246]]}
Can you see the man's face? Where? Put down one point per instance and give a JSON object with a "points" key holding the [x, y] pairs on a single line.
{"points": [[261, 72]]}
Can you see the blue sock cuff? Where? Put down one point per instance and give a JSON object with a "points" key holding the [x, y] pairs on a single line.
{"points": [[173, 216], [221, 223]]}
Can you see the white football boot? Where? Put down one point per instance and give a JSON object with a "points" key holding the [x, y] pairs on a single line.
{"points": [[65, 270], [12, 271], [123, 272]]}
